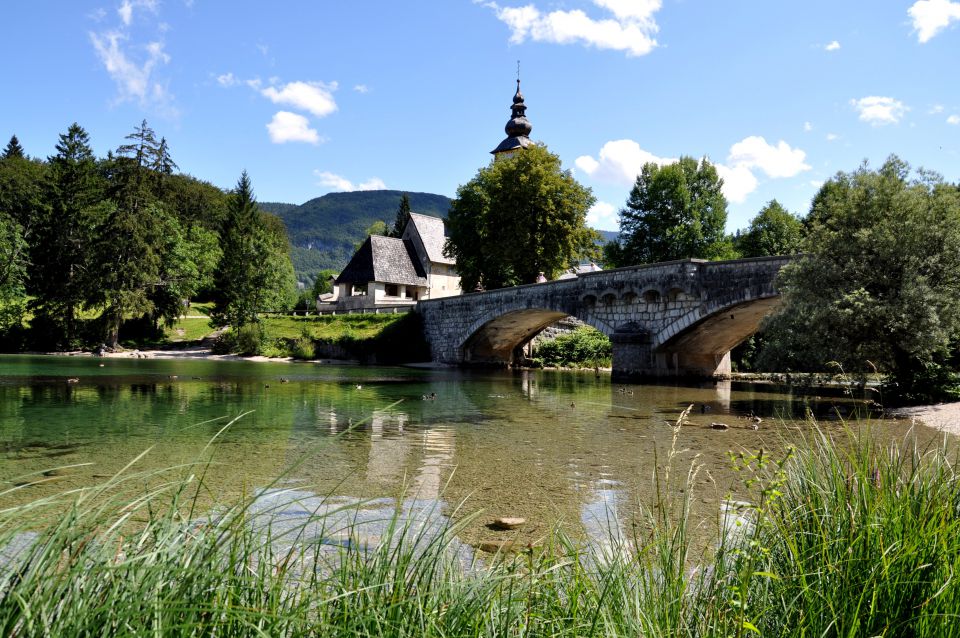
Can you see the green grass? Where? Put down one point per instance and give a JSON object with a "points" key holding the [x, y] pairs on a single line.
{"points": [[860, 538], [328, 328], [190, 329]]}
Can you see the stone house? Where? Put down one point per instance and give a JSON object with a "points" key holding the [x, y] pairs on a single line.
{"points": [[390, 271]]}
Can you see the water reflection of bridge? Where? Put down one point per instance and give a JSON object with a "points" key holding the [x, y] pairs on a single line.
{"points": [[562, 447]]}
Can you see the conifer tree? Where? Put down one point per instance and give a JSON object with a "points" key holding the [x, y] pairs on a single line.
{"points": [[13, 149], [241, 277], [137, 236], [60, 251], [403, 216]]}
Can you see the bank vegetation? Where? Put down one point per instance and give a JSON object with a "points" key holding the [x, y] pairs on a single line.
{"points": [[855, 538]]}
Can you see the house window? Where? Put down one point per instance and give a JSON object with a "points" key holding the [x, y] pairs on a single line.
{"points": [[391, 290], [358, 290]]}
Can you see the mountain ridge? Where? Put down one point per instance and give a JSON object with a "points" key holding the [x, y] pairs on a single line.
{"points": [[324, 230]]}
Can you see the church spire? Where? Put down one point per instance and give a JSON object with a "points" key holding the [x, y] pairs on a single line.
{"points": [[518, 129]]}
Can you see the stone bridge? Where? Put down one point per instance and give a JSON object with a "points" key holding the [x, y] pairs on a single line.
{"points": [[677, 318]]}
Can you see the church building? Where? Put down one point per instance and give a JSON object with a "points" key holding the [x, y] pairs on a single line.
{"points": [[389, 272]]}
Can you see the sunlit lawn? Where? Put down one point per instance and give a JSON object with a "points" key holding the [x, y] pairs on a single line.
{"points": [[328, 328]]}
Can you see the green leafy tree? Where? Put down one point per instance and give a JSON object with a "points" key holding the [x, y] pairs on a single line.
{"points": [[280, 281], [774, 231], [675, 211], [324, 283], [13, 149], [403, 216], [61, 276], [880, 280], [24, 190], [378, 227], [13, 267], [518, 217]]}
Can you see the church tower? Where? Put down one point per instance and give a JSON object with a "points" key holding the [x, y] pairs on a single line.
{"points": [[518, 129]]}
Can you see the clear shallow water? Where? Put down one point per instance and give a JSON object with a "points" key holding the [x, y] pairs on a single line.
{"points": [[566, 448]]}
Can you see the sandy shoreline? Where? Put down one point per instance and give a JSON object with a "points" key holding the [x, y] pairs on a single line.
{"points": [[943, 416], [181, 353]]}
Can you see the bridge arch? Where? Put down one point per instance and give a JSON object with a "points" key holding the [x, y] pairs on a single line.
{"points": [[494, 336]]}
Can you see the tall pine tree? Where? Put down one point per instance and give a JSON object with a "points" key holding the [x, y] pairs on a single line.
{"points": [[241, 279], [13, 149], [60, 277], [403, 216]]}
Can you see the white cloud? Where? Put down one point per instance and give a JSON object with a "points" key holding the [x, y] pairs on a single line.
{"points": [[807, 127], [775, 161], [930, 17], [631, 29], [832, 137], [833, 46], [125, 10], [816, 183], [227, 80], [738, 182], [953, 119], [603, 216], [936, 109], [291, 127], [620, 161], [133, 80], [878, 111], [361, 88], [340, 183], [315, 97]]}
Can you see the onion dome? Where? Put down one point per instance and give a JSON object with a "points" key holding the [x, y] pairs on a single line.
{"points": [[518, 128]]}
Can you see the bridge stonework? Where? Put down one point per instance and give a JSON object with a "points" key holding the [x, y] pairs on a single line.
{"points": [[678, 318]]}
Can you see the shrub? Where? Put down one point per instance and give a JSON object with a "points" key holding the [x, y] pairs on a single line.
{"points": [[248, 341], [583, 347], [302, 347]]}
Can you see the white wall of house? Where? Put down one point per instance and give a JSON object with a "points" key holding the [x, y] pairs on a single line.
{"points": [[375, 293], [444, 281]]}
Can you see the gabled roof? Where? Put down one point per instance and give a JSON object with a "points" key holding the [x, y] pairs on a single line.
{"points": [[386, 259], [432, 233]]}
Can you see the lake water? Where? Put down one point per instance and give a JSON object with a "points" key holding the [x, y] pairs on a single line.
{"points": [[556, 448]]}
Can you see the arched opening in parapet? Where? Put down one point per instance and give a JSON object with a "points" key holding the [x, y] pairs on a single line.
{"points": [[676, 294], [499, 341], [651, 296]]}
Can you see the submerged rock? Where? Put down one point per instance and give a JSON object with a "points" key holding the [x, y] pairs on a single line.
{"points": [[507, 522]]}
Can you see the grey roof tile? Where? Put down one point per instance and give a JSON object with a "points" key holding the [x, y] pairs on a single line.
{"points": [[432, 232], [385, 259]]}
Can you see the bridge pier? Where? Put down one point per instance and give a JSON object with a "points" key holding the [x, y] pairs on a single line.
{"points": [[635, 359]]}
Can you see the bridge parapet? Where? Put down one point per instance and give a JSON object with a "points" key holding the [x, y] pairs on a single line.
{"points": [[667, 319]]}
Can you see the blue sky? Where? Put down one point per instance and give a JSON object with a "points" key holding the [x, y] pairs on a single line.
{"points": [[311, 97]]}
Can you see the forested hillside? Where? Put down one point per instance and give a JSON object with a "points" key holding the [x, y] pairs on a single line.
{"points": [[325, 230]]}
